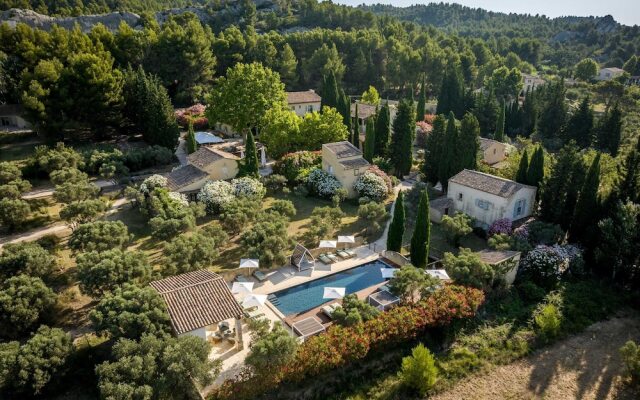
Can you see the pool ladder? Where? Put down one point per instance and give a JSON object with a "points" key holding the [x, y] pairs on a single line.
{"points": [[273, 299]]}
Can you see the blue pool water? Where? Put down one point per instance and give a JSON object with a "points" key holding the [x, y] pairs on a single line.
{"points": [[306, 296]]}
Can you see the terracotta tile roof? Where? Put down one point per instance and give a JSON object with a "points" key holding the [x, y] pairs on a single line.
{"points": [[205, 156], [184, 176], [355, 163], [307, 96], [197, 299], [488, 183], [364, 110], [486, 143], [343, 149], [496, 256]]}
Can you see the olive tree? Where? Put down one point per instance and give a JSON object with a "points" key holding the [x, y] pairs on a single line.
{"points": [[23, 302], [103, 272]]}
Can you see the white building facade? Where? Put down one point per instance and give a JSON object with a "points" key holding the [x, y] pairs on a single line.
{"points": [[304, 102], [487, 198]]}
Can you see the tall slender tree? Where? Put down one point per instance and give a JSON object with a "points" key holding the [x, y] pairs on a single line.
{"points": [[421, 108], [627, 186], [523, 167], [529, 113], [586, 214], [610, 131], [404, 130], [580, 125], [250, 165], [383, 131], [191, 143], [330, 92], [535, 172], [434, 149], [486, 111], [451, 96], [422, 234], [344, 107], [369, 140], [355, 138], [499, 132], [468, 143], [396, 228], [448, 165], [553, 110]]}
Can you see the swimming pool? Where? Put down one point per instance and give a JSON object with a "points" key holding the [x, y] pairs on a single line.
{"points": [[306, 296]]}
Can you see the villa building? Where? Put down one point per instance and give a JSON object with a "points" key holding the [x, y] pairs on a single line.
{"points": [[197, 302], [607, 74], [493, 151], [207, 163], [304, 102], [345, 162], [11, 117], [487, 198], [530, 82]]}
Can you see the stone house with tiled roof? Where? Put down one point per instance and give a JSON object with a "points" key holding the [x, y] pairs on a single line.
{"points": [[345, 162], [304, 102], [206, 164], [492, 151], [487, 198], [197, 301]]}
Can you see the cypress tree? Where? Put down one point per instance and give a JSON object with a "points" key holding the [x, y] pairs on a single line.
{"points": [[468, 142], [580, 125], [627, 187], [529, 113], [586, 211], [192, 146], [486, 111], [535, 173], [250, 165], [396, 228], [451, 96], [553, 111], [521, 175], [557, 198], [369, 140], [344, 108], [448, 163], [422, 103], [383, 131], [159, 122], [402, 139], [610, 131], [330, 92], [421, 234], [355, 138], [434, 149], [499, 133]]}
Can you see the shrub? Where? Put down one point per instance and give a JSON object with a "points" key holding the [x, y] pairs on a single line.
{"points": [[354, 311], [215, 195], [466, 268], [547, 322], [247, 187], [372, 186], [546, 265], [296, 166], [456, 227], [99, 236], [500, 241], [538, 232], [151, 183], [23, 302], [502, 226], [630, 354], [147, 157], [322, 183], [459, 362], [274, 182], [284, 208], [49, 242], [419, 370]]}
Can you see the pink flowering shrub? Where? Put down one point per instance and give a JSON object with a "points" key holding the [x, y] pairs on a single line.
{"points": [[194, 114], [501, 226]]}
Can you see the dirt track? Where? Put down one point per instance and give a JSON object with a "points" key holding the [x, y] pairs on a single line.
{"points": [[586, 366]]}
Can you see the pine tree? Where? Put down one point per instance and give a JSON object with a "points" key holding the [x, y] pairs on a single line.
{"points": [[529, 113], [396, 228], [403, 136], [523, 167], [610, 131], [627, 187], [451, 96], [448, 163], [499, 132], [535, 173], [250, 166], [355, 138], [421, 108], [559, 191], [580, 125], [421, 234], [288, 66], [369, 141], [434, 149], [468, 143], [191, 144], [586, 213]]}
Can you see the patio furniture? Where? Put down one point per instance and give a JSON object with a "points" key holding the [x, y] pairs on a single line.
{"points": [[215, 337], [333, 257], [254, 314], [326, 260], [302, 258], [242, 278], [344, 254], [330, 308], [260, 276], [223, 326], [350, 252]]}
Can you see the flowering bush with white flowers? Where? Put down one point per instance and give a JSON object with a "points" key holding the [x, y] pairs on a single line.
{"points": [[322, 183], [215, 195], [249, 188], [546, 265], [372, 186], [179, 198], [501, 226], [153, 182]]}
